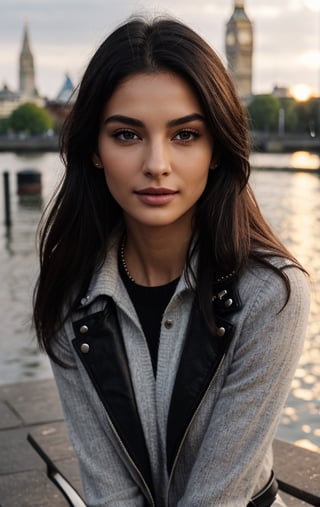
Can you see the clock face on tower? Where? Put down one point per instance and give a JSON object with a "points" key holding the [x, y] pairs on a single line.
{"points": [[231, 40], [244, 36], [239, 42]]}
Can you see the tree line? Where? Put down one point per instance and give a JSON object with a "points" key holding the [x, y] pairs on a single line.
{"points": [[271, 114], [266, 114], [28, 119]]}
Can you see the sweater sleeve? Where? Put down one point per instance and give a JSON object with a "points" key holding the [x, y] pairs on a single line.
{"points": [[244, 420], [106, 480]]}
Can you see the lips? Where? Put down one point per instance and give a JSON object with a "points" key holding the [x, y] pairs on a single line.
{"points": [[155, 196], [155, 191]]}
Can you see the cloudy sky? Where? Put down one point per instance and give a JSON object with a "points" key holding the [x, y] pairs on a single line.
{"points": [[64, 34]]}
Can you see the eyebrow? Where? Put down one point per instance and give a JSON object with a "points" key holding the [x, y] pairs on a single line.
{"points": [[127, 120]]}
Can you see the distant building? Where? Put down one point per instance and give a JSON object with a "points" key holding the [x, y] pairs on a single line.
{"points": [[239, 49], [61, 106], [9, 101], [66, 93], [281, 92], [27, 87]]}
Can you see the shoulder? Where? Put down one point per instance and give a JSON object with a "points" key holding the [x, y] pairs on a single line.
{"points": [[281, 286], [271, 325]]}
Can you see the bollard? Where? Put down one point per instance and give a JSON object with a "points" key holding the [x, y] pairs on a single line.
{"points": [[29, 188], [7, 208], [29, 182]]}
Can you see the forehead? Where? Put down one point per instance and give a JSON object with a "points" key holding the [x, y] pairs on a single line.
{"points": [[156, 92]]}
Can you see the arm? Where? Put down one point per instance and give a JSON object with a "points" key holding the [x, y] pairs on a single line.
{"points": [[106, 480], [229, 463]]}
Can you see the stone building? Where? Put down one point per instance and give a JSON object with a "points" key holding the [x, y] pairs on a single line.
{"points": [[9, 101], [239, 49], [27, 86], [27, 92]]}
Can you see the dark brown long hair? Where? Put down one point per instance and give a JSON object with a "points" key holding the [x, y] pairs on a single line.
{"points": [[75, 230]]}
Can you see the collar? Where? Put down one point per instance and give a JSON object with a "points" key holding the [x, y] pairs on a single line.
{"points": [[107, 282]]}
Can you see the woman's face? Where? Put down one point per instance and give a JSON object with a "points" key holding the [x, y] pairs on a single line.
{"points": [[155, 149]]}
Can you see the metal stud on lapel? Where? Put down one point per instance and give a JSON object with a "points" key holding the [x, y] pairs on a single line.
{"points": [[228, 303], [85, 347], [220, 295], [84, 300]]}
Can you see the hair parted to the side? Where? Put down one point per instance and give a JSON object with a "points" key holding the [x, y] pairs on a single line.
{"points": [[75, 230]]}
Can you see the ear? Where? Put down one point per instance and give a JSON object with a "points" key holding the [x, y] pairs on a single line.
{"points": [[97, 161]]}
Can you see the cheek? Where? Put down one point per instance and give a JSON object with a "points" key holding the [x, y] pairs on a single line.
{"points": [[198, 176], [198, 168], [202, 156], [117, 174], [108, 158], [118, 163], [114, 166], [116, 187], [113, 180]]}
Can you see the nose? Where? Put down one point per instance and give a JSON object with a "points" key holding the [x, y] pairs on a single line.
{"points": [[157, 161]]}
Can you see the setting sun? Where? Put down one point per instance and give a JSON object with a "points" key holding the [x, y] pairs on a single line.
{"points": [[301, 92], [312, 4]]}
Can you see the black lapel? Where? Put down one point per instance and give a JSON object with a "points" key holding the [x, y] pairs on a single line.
{"points": [[99, 344], [201, 356]]}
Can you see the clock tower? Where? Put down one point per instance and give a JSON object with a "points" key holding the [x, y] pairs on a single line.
{"points": [[239, 50]]}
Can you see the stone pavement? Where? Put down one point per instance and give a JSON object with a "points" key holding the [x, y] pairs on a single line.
{"points": [[33, 407]]}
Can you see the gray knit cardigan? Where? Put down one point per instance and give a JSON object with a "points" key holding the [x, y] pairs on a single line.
{"points": [[226, 456]]}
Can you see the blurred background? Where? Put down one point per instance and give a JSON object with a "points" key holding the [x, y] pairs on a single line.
{"points": [[272, 50]]}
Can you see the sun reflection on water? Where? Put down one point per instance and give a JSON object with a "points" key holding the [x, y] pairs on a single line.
{"points": [[291, 203], [304, 160]]}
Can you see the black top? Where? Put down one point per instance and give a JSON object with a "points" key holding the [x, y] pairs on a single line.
{"points": [[150, 304]]}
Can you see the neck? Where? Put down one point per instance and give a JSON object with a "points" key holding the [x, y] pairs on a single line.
{"points": [[153, 258]]}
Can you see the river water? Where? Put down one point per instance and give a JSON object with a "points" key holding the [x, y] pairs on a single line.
{"points": [[291, 203]]}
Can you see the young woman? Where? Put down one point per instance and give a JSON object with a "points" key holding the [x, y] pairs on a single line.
{"points": [[173, 316]]}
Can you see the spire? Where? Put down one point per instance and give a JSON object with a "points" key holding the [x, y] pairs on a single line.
{"points": [[26, 70], [26, 43]]}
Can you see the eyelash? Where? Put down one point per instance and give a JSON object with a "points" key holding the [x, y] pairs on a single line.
{"points": [[193, 133], [122, 132]]}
